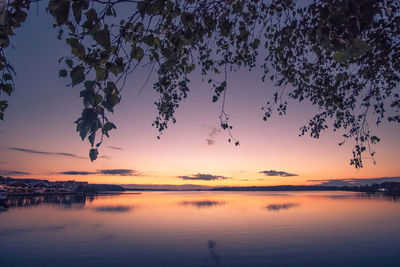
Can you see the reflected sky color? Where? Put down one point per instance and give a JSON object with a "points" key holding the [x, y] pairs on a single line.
{"points": [[156, 229], [42, 110]]}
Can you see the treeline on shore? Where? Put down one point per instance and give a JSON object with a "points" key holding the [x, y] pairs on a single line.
{"points": [[390, 188], [28, 186], [16, 186]]}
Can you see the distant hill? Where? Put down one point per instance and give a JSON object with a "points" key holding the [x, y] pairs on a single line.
{"points": [[108, 187], [388, 188], [392, 188], [289, 188], [144, 187]]}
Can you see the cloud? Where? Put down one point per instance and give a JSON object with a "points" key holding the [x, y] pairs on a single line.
{"points": [[115, 172], [76, 173], [120, 172], [116, 148], [6, 172], [104, 157], [278, 173], [32, 151], [355, 181], [211, 135], [66, 154], [204, 177]]}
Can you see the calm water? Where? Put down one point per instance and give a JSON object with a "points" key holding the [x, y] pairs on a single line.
{"points": [[201, 229]]}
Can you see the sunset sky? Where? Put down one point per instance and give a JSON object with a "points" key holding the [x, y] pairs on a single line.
{"points": [[38, 138]]}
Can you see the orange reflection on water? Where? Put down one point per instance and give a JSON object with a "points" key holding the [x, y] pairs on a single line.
{"points": [[220, 212], [220, 225]]}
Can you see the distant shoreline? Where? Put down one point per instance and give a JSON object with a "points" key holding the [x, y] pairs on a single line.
{"points": [[388, 188], [35, 187], [259, 188]]}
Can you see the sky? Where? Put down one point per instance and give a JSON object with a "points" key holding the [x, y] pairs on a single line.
{"points": [[38, 138]]}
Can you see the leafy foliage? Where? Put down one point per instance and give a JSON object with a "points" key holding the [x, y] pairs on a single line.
{"points": [[340, 55], [12, 15]]}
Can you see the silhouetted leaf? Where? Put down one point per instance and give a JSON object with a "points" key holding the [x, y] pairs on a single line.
{"points": [[149, 40], [101, 74], [108, 126], [69, 62], [6, 87], [77, 48], [77, 75], [60, 10], [63, 73], [91, 138], [3, 105], [93, 154], [7, 77], [137, 53], [89, 84], [103, 38], [77, 8]]}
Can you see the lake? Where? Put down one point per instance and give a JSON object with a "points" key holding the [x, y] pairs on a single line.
{"points": [[201, 229]]}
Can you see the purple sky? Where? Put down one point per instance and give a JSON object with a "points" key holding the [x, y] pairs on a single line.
{"points": [[38, 138]]}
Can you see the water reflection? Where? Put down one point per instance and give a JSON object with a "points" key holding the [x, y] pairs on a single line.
{"points": [[211, 247], [202, 203], [52, 228], [201, 229], [113, 209], [355, 195], [106, 236], [75, 201], [283, 206], [3, 208]]}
